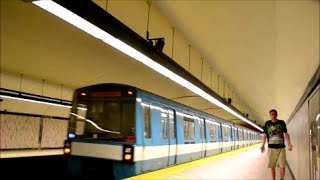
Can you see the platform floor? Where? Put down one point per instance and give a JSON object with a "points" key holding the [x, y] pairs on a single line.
{"points": [[30, 153], [245, 163]]}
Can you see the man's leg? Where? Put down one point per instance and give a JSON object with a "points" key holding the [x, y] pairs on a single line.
{"points": [[282, 162], [272, 161], [273, 172], [282, 172], [273, 155]]}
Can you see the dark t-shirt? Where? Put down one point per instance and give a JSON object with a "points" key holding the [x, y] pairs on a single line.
{"points": [[274, 132]]}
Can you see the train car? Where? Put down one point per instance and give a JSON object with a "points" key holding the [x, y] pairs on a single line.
{"points": [[118, 131]]}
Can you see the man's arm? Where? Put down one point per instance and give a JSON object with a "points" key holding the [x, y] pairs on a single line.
{"points": [[264, 137], [287, 136]]}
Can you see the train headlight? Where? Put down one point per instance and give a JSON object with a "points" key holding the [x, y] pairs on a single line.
{"points": [[66, 150], [127, 153], [67, 147], [127, 157]]}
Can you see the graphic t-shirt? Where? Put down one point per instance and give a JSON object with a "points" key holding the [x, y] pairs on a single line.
{"points": [[274, 132]]}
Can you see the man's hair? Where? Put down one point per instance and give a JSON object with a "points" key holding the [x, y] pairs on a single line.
{"points": [[273, 110]]}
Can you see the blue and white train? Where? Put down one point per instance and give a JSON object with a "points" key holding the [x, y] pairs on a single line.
{"points": [[120, 131]]}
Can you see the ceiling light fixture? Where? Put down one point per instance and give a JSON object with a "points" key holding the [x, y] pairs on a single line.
{"points": [[54, 7], [27, 97], [35, 101]]}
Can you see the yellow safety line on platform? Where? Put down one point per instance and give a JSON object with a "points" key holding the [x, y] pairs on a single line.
{"points": [[160, 174]]}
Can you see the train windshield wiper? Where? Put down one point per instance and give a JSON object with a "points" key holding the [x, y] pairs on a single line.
{"points": [[94, 124]]}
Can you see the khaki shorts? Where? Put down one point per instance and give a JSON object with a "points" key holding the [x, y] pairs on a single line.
{"points": [[276, 157]]}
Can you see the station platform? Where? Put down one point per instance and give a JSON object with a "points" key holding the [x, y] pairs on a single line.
{"points": [[30, 153], [245, 163]]}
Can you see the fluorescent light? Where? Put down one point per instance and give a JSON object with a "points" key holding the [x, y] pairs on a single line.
{"points": [[35, 101], [72, 18], [39, 102], [95, 31]]}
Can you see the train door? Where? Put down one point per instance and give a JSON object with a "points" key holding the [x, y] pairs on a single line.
{"points": [[221, 140], [235, 138], [240, 140], [245, 138], [169, 134], [227, 138], [147, 136], [232, 136], [314, 118], [202, 137]]}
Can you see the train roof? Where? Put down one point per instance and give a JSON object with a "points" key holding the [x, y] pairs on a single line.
{"points": [[105, 85]]}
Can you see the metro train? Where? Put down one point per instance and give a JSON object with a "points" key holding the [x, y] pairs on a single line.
{"points": [[119, 131]]}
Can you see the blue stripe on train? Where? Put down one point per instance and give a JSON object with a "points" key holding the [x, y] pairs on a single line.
{"points": [[137, 145]]}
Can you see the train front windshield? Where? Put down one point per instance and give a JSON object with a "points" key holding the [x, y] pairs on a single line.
{"points": [[103, 115]]}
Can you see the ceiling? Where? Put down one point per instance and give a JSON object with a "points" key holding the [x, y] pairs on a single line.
{"points": [[266, 50]]}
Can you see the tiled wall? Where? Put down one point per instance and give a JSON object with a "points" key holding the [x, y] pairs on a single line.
{"points": [[298, 128], [54, 132], [19, 131], [23, 132]]}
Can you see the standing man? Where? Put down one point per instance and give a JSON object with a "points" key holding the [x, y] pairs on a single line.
{"points": [[275, 130]]}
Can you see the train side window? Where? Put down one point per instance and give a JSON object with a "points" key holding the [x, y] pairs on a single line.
{"points": [[240, 134], [237, 133], [188, 128], [213, 131], [244, 135], [218, 126], [164, 120], [227, 133], [231, 134], [172, 126], [147, 121], [201, 125]]}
